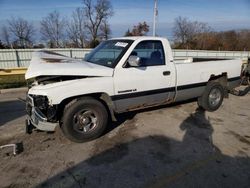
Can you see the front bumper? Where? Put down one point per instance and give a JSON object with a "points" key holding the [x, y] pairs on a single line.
{"points": [[36, 118]]}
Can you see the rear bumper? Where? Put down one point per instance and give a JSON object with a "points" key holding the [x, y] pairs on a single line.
{"points": [[36, 119]]}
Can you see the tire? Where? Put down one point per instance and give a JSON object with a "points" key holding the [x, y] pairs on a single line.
{"points": [[84, 119], [212, 97]]}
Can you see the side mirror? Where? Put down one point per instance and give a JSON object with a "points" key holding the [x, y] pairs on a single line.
{"points": [[134, 61]]}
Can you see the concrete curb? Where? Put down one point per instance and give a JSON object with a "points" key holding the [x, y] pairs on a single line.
{"points": [[13, 90]]}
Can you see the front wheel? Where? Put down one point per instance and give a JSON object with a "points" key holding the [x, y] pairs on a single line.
{"points": [[212, 97], [84, 119]]}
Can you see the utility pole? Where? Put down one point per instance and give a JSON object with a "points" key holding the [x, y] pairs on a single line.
{"points": [[155, 17]]}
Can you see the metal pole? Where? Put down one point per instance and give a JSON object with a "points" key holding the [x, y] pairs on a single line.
{"points": [[17, 58], [70, 51], [155, 16]]}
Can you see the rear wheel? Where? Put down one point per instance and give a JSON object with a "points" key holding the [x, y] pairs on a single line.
{"points": [[84, 119], [212, 97]]}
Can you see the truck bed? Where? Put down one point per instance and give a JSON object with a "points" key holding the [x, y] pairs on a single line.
{"points": [[193, 76]]}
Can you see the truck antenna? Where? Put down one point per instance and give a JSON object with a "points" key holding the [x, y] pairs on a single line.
{"points": [[155, 17]]}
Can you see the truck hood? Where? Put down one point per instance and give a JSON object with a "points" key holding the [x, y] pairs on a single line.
{"points": [[47, 63]]}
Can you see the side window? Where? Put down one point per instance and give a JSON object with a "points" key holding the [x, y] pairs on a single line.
{"points": [[150, 52]]}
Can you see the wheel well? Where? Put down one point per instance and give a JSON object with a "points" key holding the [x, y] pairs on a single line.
{"points": [[104, 98], [222, 79]]}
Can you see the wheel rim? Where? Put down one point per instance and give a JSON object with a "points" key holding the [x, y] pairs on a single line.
{"points": [[84, 121], [214, 97]]}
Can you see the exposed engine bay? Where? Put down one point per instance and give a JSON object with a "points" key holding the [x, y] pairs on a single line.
{"points": [[53, 79]]}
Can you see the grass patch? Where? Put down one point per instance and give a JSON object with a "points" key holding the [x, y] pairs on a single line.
{"points": [[12, 81]]}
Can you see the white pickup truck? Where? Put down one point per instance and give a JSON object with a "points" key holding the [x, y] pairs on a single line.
{"points": [[121, 74]]}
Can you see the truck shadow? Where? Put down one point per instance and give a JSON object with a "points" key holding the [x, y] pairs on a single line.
{"points": [[11, 110], [158, 161], [127, 116]]}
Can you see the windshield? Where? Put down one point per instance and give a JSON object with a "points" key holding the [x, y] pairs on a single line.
{"points": [[108, 53]]}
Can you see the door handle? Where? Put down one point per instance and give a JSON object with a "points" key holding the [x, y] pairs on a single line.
{"points": [[166, 73]]}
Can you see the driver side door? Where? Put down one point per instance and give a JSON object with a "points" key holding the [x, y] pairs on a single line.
{"points": [[146, 85]]}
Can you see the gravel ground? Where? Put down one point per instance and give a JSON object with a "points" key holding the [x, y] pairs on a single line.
{"points": [[170, 146]]}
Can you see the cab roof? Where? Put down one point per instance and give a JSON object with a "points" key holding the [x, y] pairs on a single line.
{"points": [[138, 37]]}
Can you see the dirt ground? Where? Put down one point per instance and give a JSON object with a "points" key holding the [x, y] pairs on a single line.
{"points": [[170, 146]]}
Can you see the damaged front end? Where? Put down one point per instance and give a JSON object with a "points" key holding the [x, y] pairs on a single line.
{"points": [[44, 80], [49, 71], [41, 115]]}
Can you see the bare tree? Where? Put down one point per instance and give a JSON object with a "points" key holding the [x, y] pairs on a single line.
{"points": [[5, 36], [53, 29], [2, 46], [95, 14], [22, 32], [198, 35], [185, 31], [76, 29], [180, 29], [105, 30]]}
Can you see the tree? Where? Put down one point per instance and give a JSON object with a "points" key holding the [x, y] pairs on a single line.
{"points": [[53, 29], [141, 29], [224, 40], [229, 40], [96, 14], [207, 41], [128, 33], [6, 36], [2, 46], [244, 40], [76, 29], [105, 30], [182, 30], [22, 32], [185, 32]]}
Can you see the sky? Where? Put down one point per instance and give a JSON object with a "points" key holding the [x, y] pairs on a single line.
{"points": [[219, 14]]}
